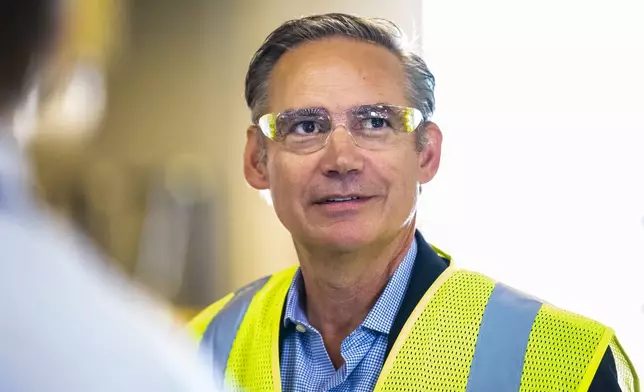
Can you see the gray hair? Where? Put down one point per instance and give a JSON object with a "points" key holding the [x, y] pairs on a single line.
{"points": [[419, 80]]}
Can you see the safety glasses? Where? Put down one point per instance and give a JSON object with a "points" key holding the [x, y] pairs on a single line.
{"points": [[373, 127]]}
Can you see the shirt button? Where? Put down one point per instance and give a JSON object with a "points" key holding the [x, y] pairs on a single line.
{"points": [[300, 328]]}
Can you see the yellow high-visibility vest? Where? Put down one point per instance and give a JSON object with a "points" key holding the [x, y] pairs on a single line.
{"points": [[467, 333]]}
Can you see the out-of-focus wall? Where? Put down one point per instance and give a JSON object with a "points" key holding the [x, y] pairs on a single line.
{"points": [[176, 105]]}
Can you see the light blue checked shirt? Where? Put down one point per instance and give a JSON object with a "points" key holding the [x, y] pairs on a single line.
{"points": [[306, 365]]}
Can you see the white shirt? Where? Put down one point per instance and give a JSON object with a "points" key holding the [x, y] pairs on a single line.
{"points": [[67, 322]]}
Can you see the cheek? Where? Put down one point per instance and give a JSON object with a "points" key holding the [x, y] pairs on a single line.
{"points": [[288, 176], [402, 177], [401, 170]]}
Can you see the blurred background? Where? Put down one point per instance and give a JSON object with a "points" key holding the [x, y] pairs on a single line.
{"points": [[141, 126]]}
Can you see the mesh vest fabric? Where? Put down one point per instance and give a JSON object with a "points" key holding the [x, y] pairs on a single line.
{"points": [[438, 350], [550, 363], [563, 351], [253, 364], [435, 348]]}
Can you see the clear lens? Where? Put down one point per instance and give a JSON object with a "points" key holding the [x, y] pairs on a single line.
{"points": [[372, 126]]}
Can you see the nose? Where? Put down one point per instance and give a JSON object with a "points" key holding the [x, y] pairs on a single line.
{"points": [[341, 154]]}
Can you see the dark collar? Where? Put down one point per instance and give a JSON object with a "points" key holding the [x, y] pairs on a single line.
{"points": [[427, 267]]}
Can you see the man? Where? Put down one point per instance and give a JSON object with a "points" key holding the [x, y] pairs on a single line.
{"points": [[66, 324], [342, 138]]}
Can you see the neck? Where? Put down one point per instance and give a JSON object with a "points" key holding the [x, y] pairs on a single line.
{"points": [[342, 288]]}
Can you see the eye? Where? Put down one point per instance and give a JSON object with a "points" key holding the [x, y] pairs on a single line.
{"points": [[306, 128], [375, 123]]}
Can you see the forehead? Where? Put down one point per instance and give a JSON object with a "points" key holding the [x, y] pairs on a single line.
{"points": [[336, 73]]}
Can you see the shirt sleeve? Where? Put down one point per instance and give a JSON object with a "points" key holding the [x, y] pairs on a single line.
{"points": [[606, 378], [68, 324]]}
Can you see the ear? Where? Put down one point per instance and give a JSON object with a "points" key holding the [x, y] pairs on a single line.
{"points": [[254, 166], [430, 157]]}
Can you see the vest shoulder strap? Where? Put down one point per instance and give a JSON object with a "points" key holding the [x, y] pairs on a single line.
{"points": [[219, 336], [198, 325], [236, 322]]}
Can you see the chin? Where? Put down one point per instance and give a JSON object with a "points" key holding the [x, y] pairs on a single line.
{"points": [[344, 237]]}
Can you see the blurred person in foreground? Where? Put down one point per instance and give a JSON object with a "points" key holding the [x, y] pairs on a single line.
{"points": [[342, 137], [66, 322]]}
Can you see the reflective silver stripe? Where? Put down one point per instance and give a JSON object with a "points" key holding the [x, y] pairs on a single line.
{"points": [[502, 341], [217, 340]]}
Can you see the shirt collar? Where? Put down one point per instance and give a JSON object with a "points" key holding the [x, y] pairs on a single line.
{"points": [[383, 313], [296, 296]]}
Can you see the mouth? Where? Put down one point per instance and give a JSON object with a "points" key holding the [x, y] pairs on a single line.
{"points": [[342, 199]]}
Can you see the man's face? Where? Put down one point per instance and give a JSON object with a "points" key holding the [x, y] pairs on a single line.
{"points": [[338, 74]]}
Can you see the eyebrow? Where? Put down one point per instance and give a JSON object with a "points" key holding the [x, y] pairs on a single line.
{"points": [[321, 111], [303, 112], [362, 109]]}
